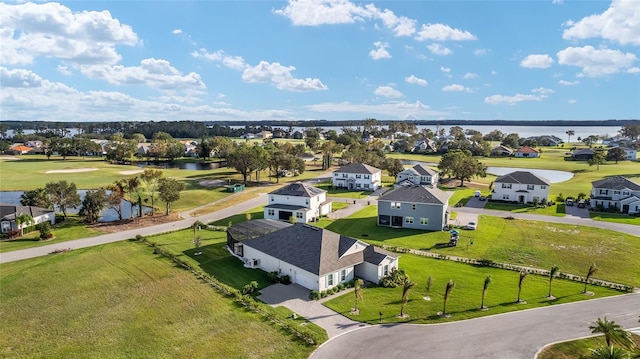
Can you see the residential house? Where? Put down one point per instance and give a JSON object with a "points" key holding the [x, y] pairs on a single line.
{"points": [[527, 152], [297, 200], [19, 149], [357, 177], [418, 207], [248, 136], [37, 147], [521, 187], [367, 136], [583, 154], [630, 153], [616, 192], [312, 257], [9, 213], [418, 175], [426, 146], [190, 148], [546, 140], [264, 134], [501, 150]]}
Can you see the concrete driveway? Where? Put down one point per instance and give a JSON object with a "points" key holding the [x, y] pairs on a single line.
{"points": [[475, 202], [576, 212], [462, 218], [296, 298]]}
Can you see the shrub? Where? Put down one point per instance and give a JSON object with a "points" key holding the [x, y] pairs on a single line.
{"points": [[45, 230], [250, 288], [393, 279], [139, 237], [285, 279], [314, 295], [272, 277]]}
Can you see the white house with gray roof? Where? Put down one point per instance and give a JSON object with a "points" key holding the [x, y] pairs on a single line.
{"points": [[616, 192], [312, 257], [521, 187], [417, 207], [418, 175], [303, 202], [9, 213], [357, 177]]}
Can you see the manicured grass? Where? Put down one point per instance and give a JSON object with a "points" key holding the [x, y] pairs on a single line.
{"points": [[460, 196], [555, 210], [614, 217], [122, 301], [522, 242], [339, 205], [577, 349], [64, 231], [331, 192], [464, 299]]}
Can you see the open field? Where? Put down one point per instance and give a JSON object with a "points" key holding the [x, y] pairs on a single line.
{"points": [[577, 349], [120, 300], [465, 297], [522, 242], [64, 231]]}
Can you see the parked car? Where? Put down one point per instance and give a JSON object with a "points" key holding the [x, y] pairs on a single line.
{"points": [[471, 225], [482, 198], [569, 202], [477, 194], [582, 203]]}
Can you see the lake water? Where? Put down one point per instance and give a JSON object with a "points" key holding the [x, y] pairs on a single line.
{"points": [[107, 215], [552, 175]]}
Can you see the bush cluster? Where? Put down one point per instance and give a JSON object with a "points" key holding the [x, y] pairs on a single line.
{"points": [[316, 295], [275, 277]]}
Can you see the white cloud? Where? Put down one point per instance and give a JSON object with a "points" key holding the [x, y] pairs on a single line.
{"points": [[557, 2], [233, 62], [64, 70], [387, 91], [469, 75], [400, 25], [480, 52], [280, 76], [155, 73], [596, 62], [568, 83], [19, 78], [634, 70], [445, 69], [537, 61], [380, 52], [177, 31], [416, 80], [619, 23], [52, 30], [438, 49], [456, 88], [537, 94], [441, 32], [571, 101]]}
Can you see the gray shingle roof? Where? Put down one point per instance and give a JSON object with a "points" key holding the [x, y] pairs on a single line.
{"points": [[316, 250], [10, 212], [375, 255], [417, 194], [423, 170], [523, 177], [288, 207], [616, 182], [298, 189], [357, 168], [584, 151]]}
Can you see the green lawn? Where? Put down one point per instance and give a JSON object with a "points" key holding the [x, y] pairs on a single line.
{"points": [[557, 209], [339, 205], [522, 242], [577, 349], [465, 298], [331, 192], [614, 217], [121, 301], [64, 231]]}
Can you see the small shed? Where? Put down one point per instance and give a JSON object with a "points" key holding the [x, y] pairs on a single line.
{"points": [[235, 188]]}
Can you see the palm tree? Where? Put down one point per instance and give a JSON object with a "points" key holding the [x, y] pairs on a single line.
{"points": [[357, 289], [487, 280], [613, 332], [552, 273], [523, 274], [570, 133], [22, 220], [592, 270], [406, 288], [609, 353], [447, 291]]}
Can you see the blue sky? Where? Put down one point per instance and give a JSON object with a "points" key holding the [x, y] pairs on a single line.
{"points": [[333, 60]]}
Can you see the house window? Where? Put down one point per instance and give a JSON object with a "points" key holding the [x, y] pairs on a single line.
{"points": [[337, 174], [344, 175], [604, 191], [366, 186], [543, 187], [306, 201], [408, 220], [299, 215], [625, 193], [505, 196], [329, 280], [395, 205], [358, 176], [424, 221], [343, 275], [358, 185], [271, 212], [530, 187], [385, 270], [273, 199], [366, 176], [506, 185]]}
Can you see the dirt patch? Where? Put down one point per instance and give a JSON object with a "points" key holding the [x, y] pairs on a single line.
{"points": [[212, 183], [454, 183], [73, 170], [127, 224], [131, 172]]}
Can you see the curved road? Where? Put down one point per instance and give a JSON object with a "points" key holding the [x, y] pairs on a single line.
{"points": [[510, 336]]}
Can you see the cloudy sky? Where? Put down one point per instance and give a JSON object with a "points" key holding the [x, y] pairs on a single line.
{"points": [[314, 59]]}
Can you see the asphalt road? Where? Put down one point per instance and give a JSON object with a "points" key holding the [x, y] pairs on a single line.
{"points": [[510, 336]]}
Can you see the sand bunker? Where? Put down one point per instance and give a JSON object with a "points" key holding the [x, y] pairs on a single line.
{"points": [[131, 172], [212, 183], [73, 170]]}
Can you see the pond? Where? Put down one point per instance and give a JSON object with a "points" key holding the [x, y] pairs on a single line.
{"points": [[192, 166], [107, 215], [552, 175]]}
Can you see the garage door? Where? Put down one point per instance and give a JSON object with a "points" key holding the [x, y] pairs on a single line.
{"points": [[304, 280]]}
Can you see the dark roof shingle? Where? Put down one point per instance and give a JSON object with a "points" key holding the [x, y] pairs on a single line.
{"points": [[523, 177], [356, 167], [417, 194], [616, 182], [298, 189]]}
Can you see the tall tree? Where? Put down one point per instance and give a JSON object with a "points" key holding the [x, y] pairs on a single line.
{"points": [[632, 131], [133, 189], [616, 154], [512, 140], [117, 191], [598, 159], [523, 274], [447, 292], [393, 167], [461, 165], [169, 190], [357, 290], [592, 270], [243, 160], [569, 134], [407, 284], [485, 286], [64, 195], [222, 147], [151, 178], [93, 203], [23, 220], [36, 198], [552, 273], [613, 332]]}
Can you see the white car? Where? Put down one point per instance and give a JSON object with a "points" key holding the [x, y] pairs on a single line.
{"points": [[471, 225]]}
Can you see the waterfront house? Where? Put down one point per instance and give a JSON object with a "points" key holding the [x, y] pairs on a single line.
{"points": [[527, 152], [501, 150], [521, 187], [9, 213], [583, 154], [418, 175]]}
